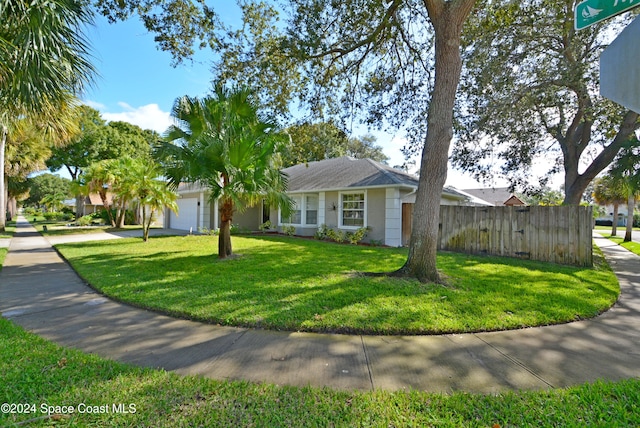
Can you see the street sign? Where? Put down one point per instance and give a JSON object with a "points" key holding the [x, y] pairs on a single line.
{"points": [[589, 12], [620, 68]]}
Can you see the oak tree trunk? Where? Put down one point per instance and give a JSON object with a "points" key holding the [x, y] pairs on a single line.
{"points": [[79, 206], [575, 183], [614, 225], [447, 19]]}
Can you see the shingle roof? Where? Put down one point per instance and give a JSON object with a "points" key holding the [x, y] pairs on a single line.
{"points": [[345, 172], [94, 199]]}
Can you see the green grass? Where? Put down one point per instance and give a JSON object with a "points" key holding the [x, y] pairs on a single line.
{"points": [[7, 233], [619, 228], [299, 284], [632, 246], [37, 373], [9, 230]]}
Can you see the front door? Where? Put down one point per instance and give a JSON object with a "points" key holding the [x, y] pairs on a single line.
{"points": [[407, 219]]}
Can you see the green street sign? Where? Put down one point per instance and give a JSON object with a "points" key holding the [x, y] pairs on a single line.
{"points": [[589, 12]]}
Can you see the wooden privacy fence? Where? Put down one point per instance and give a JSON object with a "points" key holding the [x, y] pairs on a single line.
{"points": [[550, 234]]}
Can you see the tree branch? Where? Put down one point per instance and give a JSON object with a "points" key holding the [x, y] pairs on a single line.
{"points": [[341, 52]]}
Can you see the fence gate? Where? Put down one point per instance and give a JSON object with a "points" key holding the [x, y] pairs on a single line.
{"points": [[560, 234]]}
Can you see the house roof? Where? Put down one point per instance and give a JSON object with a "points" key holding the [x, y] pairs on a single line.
{"points": [[497, 196], [345, 172], [94, 199]]}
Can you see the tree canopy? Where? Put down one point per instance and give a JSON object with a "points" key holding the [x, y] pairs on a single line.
{"points": [[99, 140], [530, 90], [317, 141], [46, 184]]}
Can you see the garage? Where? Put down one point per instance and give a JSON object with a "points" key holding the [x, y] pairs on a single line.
{"points": [[187, 217]]}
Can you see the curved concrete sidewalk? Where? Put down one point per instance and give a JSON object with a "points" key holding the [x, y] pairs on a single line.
{"points": [[40, 292]]}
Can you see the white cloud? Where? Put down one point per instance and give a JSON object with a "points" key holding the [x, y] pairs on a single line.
{"points": [[94, 104], [149, 116]]}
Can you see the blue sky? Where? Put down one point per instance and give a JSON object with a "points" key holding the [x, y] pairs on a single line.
{"points": [[137, 84]]}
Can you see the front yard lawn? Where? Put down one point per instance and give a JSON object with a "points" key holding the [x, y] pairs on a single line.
{"points": [[288, 283], [37, 373]]}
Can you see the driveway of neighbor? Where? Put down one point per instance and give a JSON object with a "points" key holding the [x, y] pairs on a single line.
{"points": [[40, 292]]}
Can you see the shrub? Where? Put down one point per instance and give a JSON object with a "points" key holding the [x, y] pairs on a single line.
{"points": [[54, 216], [238, 230], [207, 231], [337, 235], [321, 233], [29, 211], [265, 226], [375, 242], [289, 230], [358, 235], [84, 220]]}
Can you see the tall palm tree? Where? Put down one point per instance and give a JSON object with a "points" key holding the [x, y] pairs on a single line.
{"points": [[43, 63], [152, 193], [98, 178], [223, 143], [137, 181], [626, 169], [608, 190]]}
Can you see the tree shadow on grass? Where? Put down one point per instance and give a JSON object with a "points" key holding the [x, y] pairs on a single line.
{"points": [[290, 284]]}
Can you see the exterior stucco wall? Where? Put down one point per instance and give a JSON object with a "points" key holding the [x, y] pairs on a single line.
{"points": [[376, 215], [249, 219]]}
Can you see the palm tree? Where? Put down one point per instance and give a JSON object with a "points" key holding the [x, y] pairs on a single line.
{"points": [[223, 143], [98, 178], [626, 169], [608, 190], [136, 181], [152, 193], [43, 63]]}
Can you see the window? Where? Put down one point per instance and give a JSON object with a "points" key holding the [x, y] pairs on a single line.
{"points": [[311, 210], [296, 213], [305, 211], [353, 209]]}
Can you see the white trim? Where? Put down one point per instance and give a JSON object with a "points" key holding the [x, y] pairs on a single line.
{"points": [[322, 204], [216, 215], [340, 205], [354, 189], [393, 218]]}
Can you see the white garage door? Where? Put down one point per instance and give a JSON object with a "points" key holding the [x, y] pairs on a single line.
{"points": [[187, 217]]}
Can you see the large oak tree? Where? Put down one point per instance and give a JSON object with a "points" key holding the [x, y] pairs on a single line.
{"points": [[530, 91]]}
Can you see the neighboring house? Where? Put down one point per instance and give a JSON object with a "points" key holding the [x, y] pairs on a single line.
{"points": [[607, 218], [499, 196], [93, 203], [340, 193]]}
